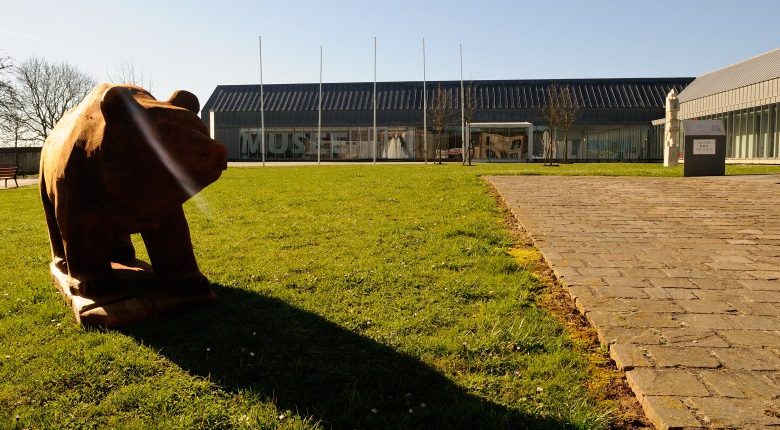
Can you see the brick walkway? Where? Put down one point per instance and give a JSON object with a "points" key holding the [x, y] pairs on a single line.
{"points": [[679, 276]]}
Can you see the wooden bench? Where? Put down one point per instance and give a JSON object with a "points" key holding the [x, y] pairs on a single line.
{"points": [[9, 172]]}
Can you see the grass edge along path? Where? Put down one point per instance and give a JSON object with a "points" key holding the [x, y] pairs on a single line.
{"points": [[606, 383]]}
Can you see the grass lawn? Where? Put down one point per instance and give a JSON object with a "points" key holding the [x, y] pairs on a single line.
{"points": [[351, 296]]}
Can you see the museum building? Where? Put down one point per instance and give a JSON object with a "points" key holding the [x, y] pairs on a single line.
{"points": [[506, 124], [745, 97]]}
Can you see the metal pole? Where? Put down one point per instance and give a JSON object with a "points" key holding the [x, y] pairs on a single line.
{"points": [[319, 114], [374, 99], [462, 117], [425, 112], [262, 101]]}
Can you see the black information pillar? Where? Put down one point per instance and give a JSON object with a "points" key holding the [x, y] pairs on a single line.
{"points": [[705, 148]]}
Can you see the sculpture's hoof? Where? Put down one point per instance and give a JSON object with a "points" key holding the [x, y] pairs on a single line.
{"points": [[185, 283], [136, 295], [92, 285]]}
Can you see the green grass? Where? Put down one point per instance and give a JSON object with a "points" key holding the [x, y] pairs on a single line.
{"points": [[350, 297]]}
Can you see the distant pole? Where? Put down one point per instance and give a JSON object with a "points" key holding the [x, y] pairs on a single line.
{"points": [[425, 112], [462, 116], [374, 99], [319, 114], [262, 102]]}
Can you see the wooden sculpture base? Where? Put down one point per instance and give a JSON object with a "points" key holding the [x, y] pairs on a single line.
{"points": [[138, 296]]}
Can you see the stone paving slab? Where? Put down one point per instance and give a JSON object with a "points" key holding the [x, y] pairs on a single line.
{"points": [[680, 277]]}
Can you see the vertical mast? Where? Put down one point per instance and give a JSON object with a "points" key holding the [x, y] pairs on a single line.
{"points": [[319, 114], [425, 111], [262, 102], [374, 99], [462, 116]]}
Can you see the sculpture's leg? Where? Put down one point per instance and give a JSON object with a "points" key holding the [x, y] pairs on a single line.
{"points": [[55, 239], [122, 250], [87, 251], [170, 249]]}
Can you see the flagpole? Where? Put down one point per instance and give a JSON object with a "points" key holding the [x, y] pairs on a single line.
{"points": [[425, 111], [462, 116], [374, 99], [319, 115], [262, 102]]}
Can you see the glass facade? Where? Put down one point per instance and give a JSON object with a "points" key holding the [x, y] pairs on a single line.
{"points": [[509, 142], [751, 134], [356, 143], [585, 143], [337, 143]]}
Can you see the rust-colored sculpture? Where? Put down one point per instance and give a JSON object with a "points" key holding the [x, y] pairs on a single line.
{"points": [[119, 163]]}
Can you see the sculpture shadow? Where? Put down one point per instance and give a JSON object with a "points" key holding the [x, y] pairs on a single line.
{"points": [[311, 366]]}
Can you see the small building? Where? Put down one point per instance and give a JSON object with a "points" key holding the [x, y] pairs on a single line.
{"points": [[506, 124], [745, 97]]}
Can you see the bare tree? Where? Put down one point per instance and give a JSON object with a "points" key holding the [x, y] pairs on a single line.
{"points": [[570, 111], [5, 79], [560, 109], [12, 124], [469, 107], [45, 91], [550, 112], [441, 113], [126, 72], [12, 128]]}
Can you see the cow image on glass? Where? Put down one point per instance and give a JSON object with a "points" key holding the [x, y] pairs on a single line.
{"points": [[120, 163]]}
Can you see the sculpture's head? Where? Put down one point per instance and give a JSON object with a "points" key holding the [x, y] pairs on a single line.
{"points": [[155, 154]]}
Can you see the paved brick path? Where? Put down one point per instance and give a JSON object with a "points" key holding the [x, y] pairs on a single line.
{"points": [[679, 276]]}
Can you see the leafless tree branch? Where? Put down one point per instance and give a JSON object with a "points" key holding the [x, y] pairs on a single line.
{"points": [[126, 72], [560, 109], [45, 91], [469, 108], [442, 113]]}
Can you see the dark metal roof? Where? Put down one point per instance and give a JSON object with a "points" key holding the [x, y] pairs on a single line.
{"points": [[509, 94]]}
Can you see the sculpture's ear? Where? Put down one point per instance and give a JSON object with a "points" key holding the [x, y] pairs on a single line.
{"points": [[117, 102], [186, 100]]}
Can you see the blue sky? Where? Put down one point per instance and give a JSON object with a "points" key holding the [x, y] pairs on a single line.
{"points": [[196, 45]]}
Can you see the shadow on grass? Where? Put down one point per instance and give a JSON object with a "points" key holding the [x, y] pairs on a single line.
{"points": [[306, 364]]}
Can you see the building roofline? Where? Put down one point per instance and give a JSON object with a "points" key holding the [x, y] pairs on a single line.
{"points": [[737, 63], [509, 93], [450, 81]]}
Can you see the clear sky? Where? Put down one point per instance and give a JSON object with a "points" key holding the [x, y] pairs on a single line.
{"points": [[197, 45]]}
